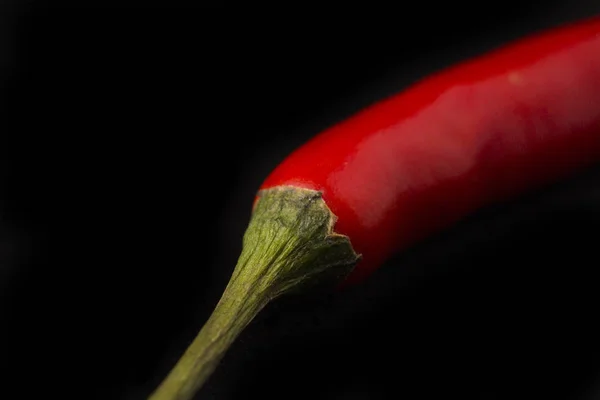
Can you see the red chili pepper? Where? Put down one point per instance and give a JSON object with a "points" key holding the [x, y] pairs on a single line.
{"points": [[481, 132]]}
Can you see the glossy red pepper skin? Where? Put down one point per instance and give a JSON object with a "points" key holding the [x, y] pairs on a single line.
{"points": [[479, 132]]}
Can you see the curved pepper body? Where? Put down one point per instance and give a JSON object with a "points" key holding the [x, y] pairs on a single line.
{"points": [[479, 132]]}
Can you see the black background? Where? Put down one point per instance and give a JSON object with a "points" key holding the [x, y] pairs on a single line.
{"points": [[136, 138]]}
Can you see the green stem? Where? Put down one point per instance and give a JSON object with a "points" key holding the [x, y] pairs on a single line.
{"points": [[201, 358], [289, 246]]}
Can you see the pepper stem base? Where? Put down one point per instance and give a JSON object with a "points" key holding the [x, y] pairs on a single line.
{"points": [[289, 246]]}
